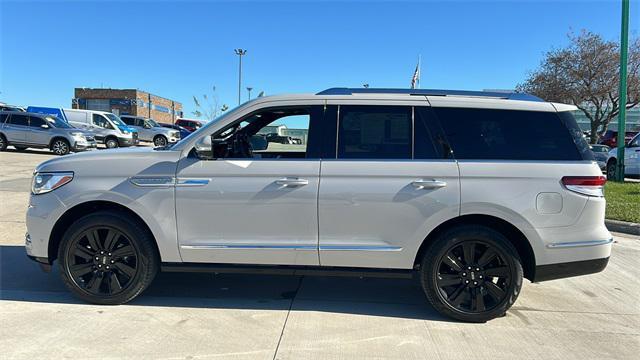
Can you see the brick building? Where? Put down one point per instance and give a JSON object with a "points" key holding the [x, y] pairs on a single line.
{"points": [[128, 102]]}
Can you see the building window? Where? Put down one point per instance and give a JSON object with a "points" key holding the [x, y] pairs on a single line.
{"points": [[99, 104]]}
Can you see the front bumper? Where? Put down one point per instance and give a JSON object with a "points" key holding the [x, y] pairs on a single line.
{"points": [[90, 145], [569, 269], [122, 141]]}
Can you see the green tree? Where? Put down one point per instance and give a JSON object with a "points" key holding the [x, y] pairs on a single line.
{"points": [[586, 74]]}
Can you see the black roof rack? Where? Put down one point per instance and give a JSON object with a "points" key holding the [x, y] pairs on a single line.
{"points": [[431, 92]]}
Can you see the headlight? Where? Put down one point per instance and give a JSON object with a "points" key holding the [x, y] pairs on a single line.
{"points": [[45, 182]]}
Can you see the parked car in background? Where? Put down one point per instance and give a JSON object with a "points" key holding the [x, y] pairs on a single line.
{"points": [[610, 138], [107, 128], [183, 132], [189, 124], [150, 130], [435, 184], [601, 154], [57, 112], [32, 130], [631, 159], [7, 107]]}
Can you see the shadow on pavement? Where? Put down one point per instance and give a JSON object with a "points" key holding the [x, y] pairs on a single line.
{"points": [[22, 280]]}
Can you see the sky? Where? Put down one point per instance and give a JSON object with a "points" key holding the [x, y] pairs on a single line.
{"points": [[178, 49]]}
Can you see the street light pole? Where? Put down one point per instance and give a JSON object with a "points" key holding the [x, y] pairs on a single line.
{"points": [[240, 53], [624, 48], [249, 90]]}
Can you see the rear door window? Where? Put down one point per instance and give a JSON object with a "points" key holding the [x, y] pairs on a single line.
{"points": [[22, 120], [127, 120], [374, 132], [490, 134]]}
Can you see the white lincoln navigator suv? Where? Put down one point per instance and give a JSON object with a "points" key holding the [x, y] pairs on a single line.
{"points": [[470, 191]]}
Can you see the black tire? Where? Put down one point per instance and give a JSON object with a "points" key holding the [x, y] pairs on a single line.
{"points": [[160, 140], [3, 143], [611, 169], [20, 148], [107, 258], [60, 147], [111, 143], [477, 289]]}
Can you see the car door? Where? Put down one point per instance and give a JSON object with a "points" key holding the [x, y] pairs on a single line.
{"points": [[389, 184], [260, 210], [100, 126], [632, 157], [38, 135], [16, 128]]}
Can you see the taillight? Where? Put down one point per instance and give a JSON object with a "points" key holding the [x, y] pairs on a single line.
{"points": [[585, 185]]}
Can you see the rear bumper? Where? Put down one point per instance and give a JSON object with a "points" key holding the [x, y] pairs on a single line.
{"points": [[569, 269]]}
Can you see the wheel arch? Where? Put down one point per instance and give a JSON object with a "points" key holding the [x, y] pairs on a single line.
{"points": [[511, 232], [77, 211]]}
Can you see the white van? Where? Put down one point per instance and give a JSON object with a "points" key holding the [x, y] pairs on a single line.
{"points": [[107, 127]]}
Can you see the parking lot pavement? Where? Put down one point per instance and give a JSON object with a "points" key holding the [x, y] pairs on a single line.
{"points": [[278, 317]]}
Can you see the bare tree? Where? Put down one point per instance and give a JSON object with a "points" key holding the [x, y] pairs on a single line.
{"points": [[209, 107], [586, 74]]}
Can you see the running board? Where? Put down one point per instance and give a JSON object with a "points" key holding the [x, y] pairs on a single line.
{"points": [[287, 270]]}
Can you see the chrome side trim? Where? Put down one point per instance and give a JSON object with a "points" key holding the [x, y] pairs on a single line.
{"points": [[359, 248], [160, 181], [579, 244], [192, 182], [248, 247]]}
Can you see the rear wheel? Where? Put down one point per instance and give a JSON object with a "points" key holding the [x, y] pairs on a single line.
{"points": [[611, 169], [3, 143], [471, 273], [107, 258], [111, 143], [60, 147]]}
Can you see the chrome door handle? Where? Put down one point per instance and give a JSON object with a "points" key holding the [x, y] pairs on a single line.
{"points": [[292, 182], [428, 184]]}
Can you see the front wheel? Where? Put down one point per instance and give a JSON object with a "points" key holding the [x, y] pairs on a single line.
{"points": [[60, 147], [160, 141], [111, 143], [471, 273], [3, 143], [107, 258]]}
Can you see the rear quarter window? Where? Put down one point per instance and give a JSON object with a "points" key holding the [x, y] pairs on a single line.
{"points": [[490, 134]]}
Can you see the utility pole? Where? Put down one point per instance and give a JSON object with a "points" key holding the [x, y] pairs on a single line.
{"points": [[249, 88], [240, 53], [624, 48]]}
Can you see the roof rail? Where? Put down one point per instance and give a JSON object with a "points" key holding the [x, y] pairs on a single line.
{"points": [[432, 92]]}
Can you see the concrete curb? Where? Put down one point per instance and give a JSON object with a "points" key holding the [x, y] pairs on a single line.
{"points": [[622, 227]]}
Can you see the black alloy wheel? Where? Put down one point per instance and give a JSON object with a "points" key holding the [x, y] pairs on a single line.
{"points": [[107, 258], [472, 273], [102, 261]]}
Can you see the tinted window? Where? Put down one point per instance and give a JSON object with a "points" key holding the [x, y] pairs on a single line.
{"points": [[36, 121], [127, 120], [101, 121], [429, 143], [511, 135], [374, 132], [3, 118], [19, 120]]}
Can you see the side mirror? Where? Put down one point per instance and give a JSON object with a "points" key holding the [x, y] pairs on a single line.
{"points": [[44, 126], [203, 148], [147, 126], [259, 142]]}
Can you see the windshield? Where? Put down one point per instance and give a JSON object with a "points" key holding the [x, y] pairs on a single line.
{"points": [[116, 120], [153, 123], [56, 122]]}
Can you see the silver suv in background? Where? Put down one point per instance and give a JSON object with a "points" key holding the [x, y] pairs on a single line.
{"points": [[23, 130], [429, 183], [107, 128], [150, 130]]}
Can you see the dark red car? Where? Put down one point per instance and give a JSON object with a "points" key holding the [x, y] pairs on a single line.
{"points": [[189, 124], [610, 138]]}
